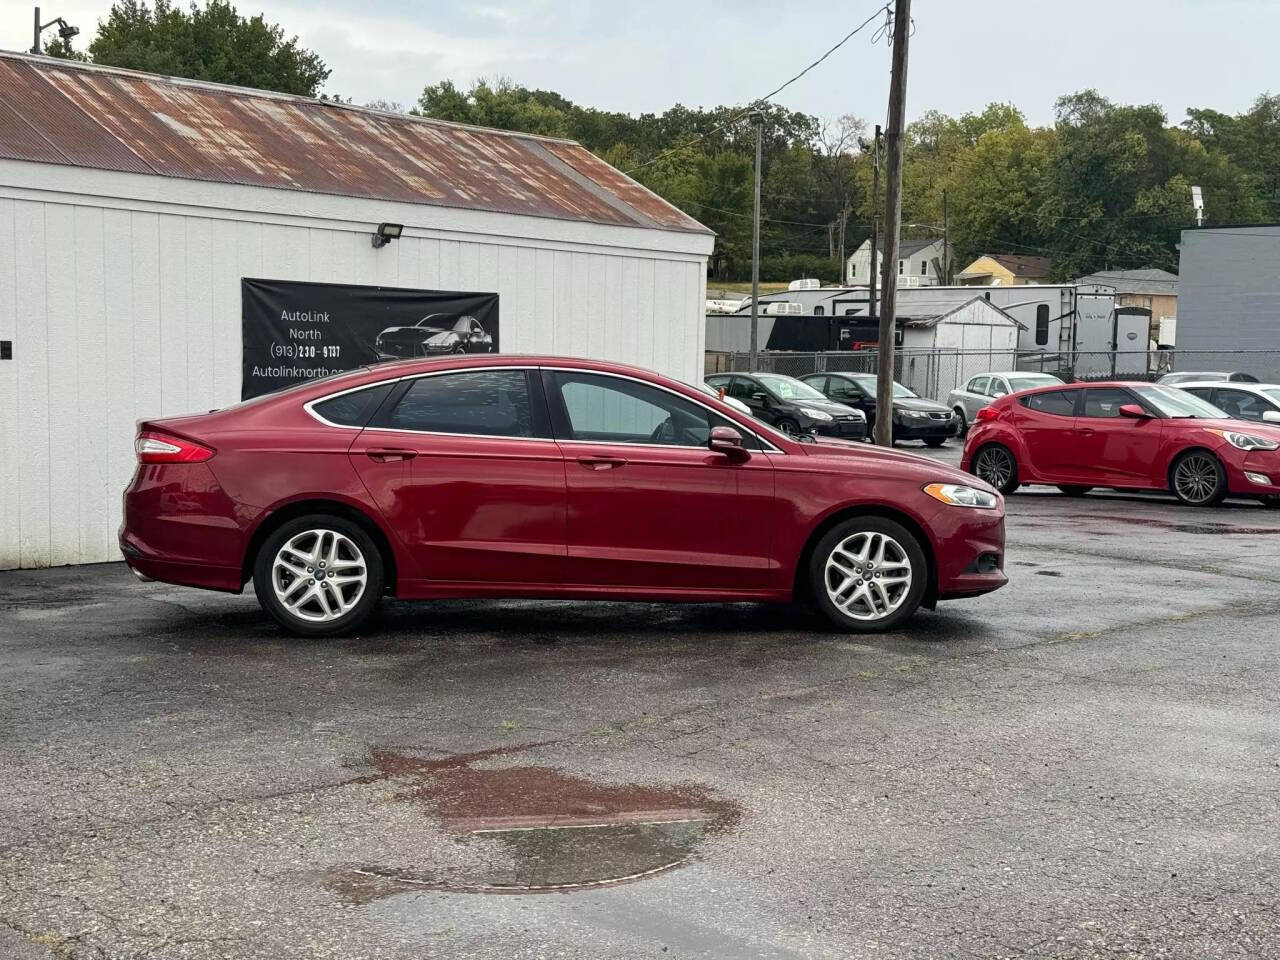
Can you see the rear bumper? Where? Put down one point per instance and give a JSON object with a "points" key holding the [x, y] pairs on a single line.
{"points": [[183, 573], [180, 527]]}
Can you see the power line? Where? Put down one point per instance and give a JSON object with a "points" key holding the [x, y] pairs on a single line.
{"points": [[759, 100]]}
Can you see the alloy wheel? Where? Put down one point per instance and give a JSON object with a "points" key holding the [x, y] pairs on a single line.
{"points": [[319, 575], [868, 575], [995, 466], [1195, 478], [788, 428]]}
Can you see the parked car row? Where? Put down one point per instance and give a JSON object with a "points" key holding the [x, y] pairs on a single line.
{"points": [[835, 404]]}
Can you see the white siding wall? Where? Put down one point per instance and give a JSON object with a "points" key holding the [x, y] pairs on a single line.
{"points": [[124, 311]]}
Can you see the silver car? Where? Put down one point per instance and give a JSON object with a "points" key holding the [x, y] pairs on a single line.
{"points": [[981, 390]]}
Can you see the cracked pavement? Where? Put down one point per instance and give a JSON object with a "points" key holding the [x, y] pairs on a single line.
{"points": [[1085, 764]]}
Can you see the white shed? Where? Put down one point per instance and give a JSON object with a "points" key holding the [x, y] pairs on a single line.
{"points": [[941, 351], [132, 206]]}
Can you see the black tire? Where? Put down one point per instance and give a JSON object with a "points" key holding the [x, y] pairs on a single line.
{"points": [[1073, 490], [1198, 479], [911, 552], [789, 427], [996, 464], [365, 604], [963, 430], [934, 442]]}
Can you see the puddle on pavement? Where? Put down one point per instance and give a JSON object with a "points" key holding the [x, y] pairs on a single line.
{"points": [[1222, 529], [557, 833]]}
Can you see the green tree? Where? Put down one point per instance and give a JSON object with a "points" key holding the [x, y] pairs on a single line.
{"points": [[212, 42]]}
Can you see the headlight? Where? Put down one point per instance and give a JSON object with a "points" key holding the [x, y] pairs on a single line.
{"points": [[913, 414], [958, 495], [1246, 441], [815, 414]]}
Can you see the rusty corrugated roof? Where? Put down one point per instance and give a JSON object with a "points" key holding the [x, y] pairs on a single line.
{"points": [[52, 111]]}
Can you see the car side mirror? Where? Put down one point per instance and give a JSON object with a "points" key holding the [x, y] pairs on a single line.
{"points": [[1271, 416], [998, 394], [1134, 411], [728, 441]]}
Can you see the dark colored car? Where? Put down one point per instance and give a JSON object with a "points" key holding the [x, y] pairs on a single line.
{"points": [[543, 477], [436, 334], [914, 418], [1189, 376], [1140, 436], [791, 405]]}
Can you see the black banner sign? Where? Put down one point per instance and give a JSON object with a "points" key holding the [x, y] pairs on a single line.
{"points": [[292, 332]]}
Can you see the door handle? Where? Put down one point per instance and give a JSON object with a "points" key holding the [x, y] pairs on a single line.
{"points": [[384, 455], [1087, 431], [601, 463]]}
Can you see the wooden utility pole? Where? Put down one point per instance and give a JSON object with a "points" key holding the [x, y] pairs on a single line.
{"points": [[875, 220], [892, 221], [946, 244], [757, 118]]}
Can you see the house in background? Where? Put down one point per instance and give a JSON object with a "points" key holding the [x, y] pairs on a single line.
{"points": [[920, 263], [1004, 270], [1154, 289]]}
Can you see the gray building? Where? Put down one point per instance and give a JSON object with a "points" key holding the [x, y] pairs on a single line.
{"points": [[1229, 294]]}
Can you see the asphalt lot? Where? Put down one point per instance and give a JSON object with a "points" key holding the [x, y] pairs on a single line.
{"points": [[1084, 764]]}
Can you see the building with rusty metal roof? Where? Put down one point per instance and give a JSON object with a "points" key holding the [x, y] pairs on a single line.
{"points": [[134, 209]]}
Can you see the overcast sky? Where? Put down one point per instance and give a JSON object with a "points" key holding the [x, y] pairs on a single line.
{"points": [[645, 56]]}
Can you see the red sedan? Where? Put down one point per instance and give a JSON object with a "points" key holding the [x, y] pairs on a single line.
{"points": [[543, 477], [1139, 436]]}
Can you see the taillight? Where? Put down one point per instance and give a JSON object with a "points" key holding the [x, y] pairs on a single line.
{"points": [[987, 413], [163, 448]]}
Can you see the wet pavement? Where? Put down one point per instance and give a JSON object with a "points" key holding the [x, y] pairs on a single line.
{"points": [[1083, 765]]}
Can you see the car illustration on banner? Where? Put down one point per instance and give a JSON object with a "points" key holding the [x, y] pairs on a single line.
{"points": [[433, 335]]}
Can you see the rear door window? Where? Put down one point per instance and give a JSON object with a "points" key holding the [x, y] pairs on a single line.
{"points": [[1059, 403], [978, 385], [488, 403]]}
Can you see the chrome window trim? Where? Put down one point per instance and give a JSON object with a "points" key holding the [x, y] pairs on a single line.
{"points": [[770, 446], [309, 406]]}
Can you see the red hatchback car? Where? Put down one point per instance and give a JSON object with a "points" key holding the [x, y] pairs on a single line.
{"points": [[1139, 436], [543, 477]]}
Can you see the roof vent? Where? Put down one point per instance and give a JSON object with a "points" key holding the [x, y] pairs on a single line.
{"points": [[783, 308]]}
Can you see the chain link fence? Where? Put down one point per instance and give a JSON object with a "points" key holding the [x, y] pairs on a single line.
{"points": [[935, 373]]}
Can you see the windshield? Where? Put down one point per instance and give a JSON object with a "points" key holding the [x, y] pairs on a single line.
{"points": [[1188, 377], [788, 388], [899, 391], [1036, 380], [1178, 403]]}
